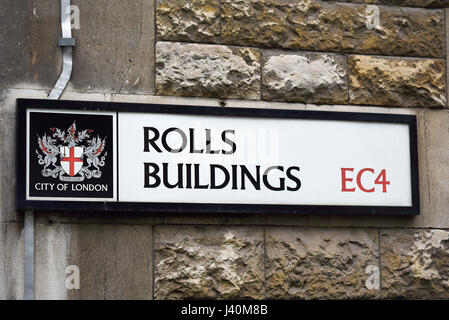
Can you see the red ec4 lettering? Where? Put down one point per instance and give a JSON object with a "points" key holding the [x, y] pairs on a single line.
{"points": [[347, 180]]}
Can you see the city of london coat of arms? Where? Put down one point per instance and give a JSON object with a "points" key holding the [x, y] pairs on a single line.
{"points": [[71, 155]]}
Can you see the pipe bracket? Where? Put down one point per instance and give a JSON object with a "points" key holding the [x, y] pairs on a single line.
{"points": [[66, 42]]}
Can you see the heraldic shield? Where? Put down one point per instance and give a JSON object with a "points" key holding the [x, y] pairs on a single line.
{"points": [[71, 159]]}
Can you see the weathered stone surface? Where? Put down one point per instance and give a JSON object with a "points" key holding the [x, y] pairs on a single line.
{"points": [[7, 160], [114, 46], [306, 77], [113, 53], [320, 263], [415, 264], [71, 217], [397, 82], [115, 261], [407, 3], [11, 261], [208, 262], [436, 123], [188, 20], [207, 71], [29, 54], [337, 27]]}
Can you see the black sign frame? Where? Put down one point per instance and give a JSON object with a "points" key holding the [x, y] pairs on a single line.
{"points": [[206, 208]]}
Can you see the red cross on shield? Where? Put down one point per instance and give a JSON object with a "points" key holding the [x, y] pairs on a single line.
{"points": [[71, 159]]}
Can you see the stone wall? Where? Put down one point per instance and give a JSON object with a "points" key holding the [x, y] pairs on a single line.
{"points": [[285, 54]]}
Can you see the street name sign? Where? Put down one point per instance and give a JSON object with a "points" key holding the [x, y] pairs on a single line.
{"points": [[78, 155]]}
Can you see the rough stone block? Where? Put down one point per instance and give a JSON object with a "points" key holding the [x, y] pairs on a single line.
{"points": [[405, 3], [208, 262], [397, 82], [320, 263], [207, 71], [115, 261], [304, 77], [415, 264], [329, 26], [188, 20]]}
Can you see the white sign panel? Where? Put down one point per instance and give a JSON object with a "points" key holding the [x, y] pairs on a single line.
{"points": [[175, 158], [263, 161]]}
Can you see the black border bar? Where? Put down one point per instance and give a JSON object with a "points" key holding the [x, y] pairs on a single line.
{"points": [[205, 208]]}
